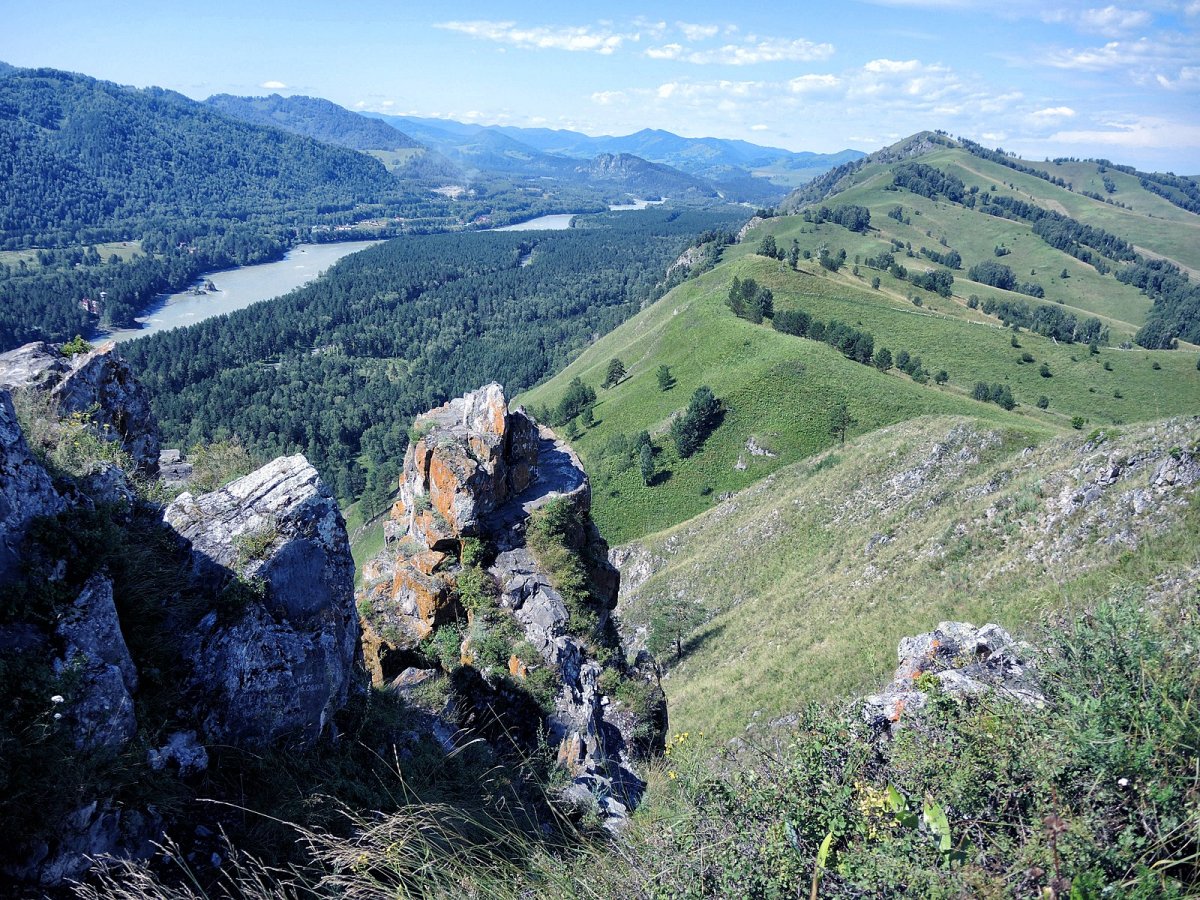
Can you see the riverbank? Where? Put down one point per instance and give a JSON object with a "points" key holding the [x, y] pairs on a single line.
{"points": [[236, 289]]}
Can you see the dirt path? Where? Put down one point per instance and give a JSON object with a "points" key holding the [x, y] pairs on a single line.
{"points": [[1193, 274]]}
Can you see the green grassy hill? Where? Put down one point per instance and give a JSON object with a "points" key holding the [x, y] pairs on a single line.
{"points": [[778, 389], [808, 579]]}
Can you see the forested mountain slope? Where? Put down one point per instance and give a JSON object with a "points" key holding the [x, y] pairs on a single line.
{"points": [[337, 368], [109, 190], [316, 118], [87, 160]]}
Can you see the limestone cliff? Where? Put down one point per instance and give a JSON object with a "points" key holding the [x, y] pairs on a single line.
{"points": [[132, 640], [459, 570], [284, 664], [98, 387]]}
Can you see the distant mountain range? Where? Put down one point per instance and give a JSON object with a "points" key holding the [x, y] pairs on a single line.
{"points": [[673, 165], [706, 157], [738, 169]]}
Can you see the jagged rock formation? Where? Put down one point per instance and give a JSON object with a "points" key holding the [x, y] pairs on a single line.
{"points": [[98, 385], [478, 471], [26, 490], [100, 710], [254, 642], [286, 663], [965, 661]]}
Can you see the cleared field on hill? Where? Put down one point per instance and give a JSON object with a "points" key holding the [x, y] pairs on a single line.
{"points": [[779, 390]]}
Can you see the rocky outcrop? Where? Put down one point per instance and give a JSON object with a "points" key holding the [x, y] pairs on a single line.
{"points": [[471, 456], [478, 471], [96, 663], [99, 386], [39, 366], [274, 544], [91, 831], [958, 660], [102, 385], [26, 490]]}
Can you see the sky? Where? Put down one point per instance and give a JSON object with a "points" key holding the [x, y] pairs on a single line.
{"points": [[1043, 78]]}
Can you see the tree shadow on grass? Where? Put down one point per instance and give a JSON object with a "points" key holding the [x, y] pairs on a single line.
{"points": [[708, 633]]}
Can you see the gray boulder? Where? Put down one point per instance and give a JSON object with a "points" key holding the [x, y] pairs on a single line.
{"points": [[286, 663], [967, 662], [95, 829], [25, 488], [100, 709], [39, 366], [102, 385], [99, 384]]}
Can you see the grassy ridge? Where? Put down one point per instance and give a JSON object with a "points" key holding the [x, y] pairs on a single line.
{"points": [[776, 388], [811, 577], [779, 389]]}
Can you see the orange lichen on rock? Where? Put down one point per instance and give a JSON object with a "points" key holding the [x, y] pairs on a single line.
{"points": [[427, 561]]}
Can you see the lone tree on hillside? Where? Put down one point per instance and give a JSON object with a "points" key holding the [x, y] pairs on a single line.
{"points": [[666, 380], [672, 623], [768, 247], [646, 463], [840, 420], [697, 422], [616, 371], [577, 396]]}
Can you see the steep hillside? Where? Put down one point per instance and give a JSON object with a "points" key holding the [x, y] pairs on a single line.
{"points": [[314, 118], [778, 390], [805, 582], [1093, 236], [89, 160]]}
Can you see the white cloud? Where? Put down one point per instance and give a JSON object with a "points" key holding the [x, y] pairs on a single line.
{"points": [[577, 39], [1139, 133], [273, 85], [701, 32], [805, 84], [1113, 55], [750, 52], [1052, 112], [760, 127], [666, 51], [892, 65], [608, 98], [1188, 78], [769, 50], [1111, 21]]}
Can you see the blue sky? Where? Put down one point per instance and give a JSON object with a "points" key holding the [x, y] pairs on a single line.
{"points": [[1045, 78]]}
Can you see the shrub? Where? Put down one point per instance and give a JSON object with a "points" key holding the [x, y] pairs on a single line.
{"points": [[75, 346]]}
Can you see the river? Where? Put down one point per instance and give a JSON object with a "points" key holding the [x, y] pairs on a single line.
{"points": [[238, 288], [560, 221]]}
